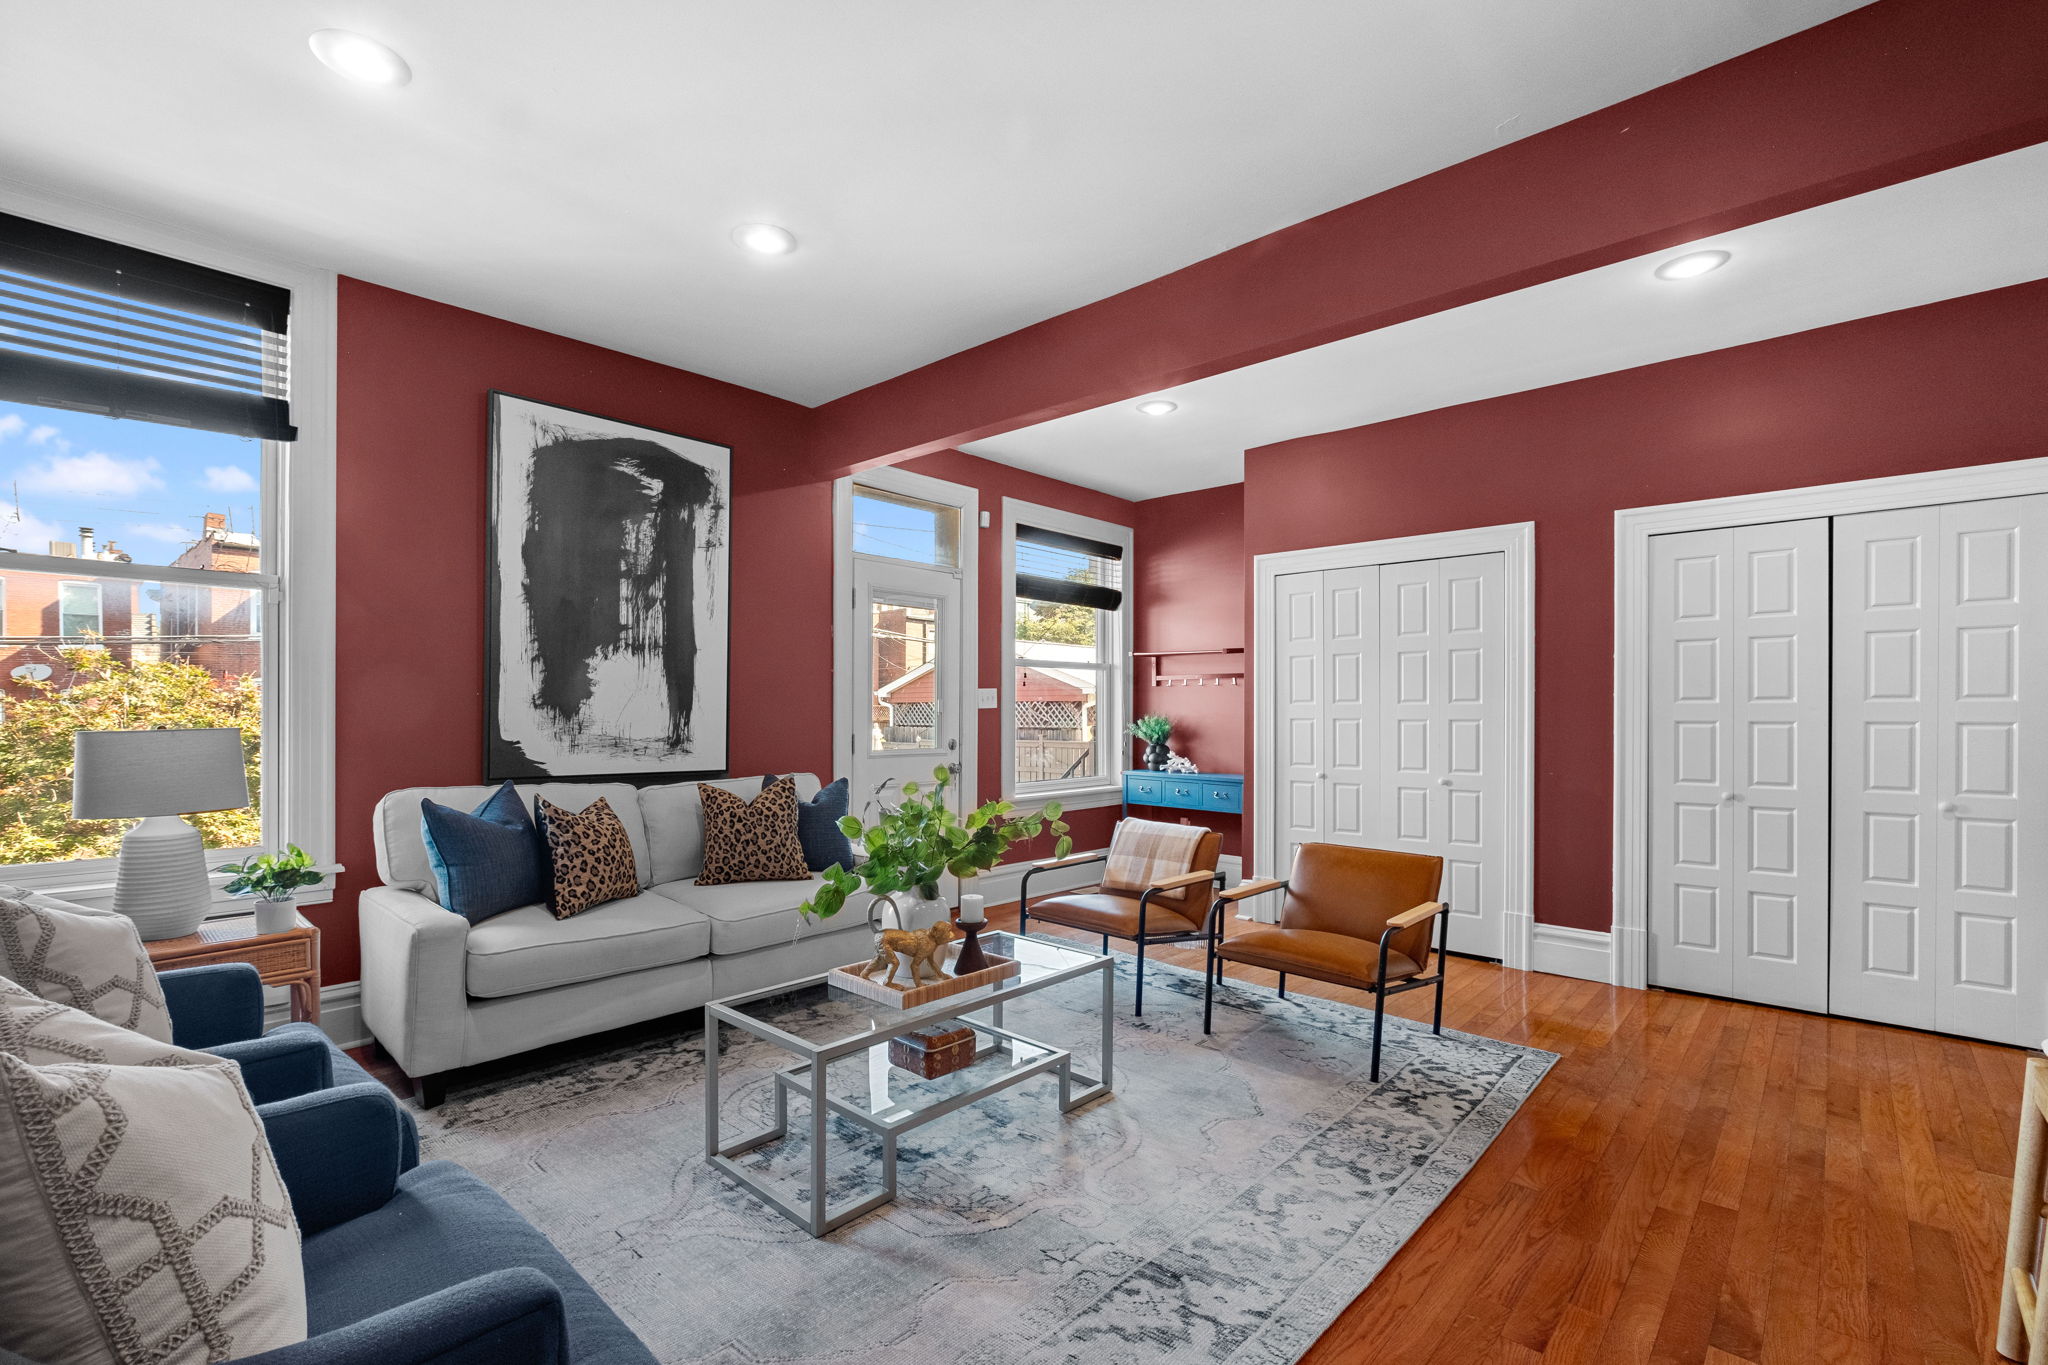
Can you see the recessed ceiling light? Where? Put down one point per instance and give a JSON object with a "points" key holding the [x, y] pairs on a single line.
{"points": [[359, 58], [1157, 407], [765, 239], [1692, 265]]}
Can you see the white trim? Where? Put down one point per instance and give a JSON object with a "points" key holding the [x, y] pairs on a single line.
{"points": [[845, 626], [1563, 951], [298, 535], [341, 1012], [1633, 527], [1112, 694], [1516, 543]]}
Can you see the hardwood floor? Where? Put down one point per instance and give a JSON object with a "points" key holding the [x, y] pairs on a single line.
{"points": [[1700, 1181]]}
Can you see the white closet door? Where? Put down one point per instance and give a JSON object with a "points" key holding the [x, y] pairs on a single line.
{"points": [[1300, 678], [1941, 634], [1351, 753], [1442, 672], [1738, 763]]}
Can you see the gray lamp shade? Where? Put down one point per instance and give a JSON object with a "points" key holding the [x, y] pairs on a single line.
{"points": [[121, 774]]}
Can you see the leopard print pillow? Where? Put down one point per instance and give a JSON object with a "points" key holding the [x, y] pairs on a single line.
{"points": [[591, 855], [752, 841]]}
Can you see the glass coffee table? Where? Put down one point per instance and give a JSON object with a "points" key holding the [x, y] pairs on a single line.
{"points": [[820, 1024]]}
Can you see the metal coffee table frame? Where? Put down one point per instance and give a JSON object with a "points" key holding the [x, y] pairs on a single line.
{"points": [[808, 1076]]}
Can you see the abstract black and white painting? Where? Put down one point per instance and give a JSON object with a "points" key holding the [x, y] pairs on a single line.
{"points": [[608, 613]]}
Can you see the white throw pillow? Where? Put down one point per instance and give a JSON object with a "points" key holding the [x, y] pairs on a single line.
{"points": [[92, 960], [140, 1208], [44, 1033]]}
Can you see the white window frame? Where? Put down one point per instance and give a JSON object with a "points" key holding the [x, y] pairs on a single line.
{"points": [[99, 610], [1113, 692], [298, 538]]}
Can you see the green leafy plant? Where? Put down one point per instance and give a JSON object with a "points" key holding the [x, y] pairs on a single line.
{"points": [[1151, 729], [920, 839], [273, 876]]}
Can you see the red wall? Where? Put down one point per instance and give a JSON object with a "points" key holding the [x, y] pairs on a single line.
{"points": [[1955, 383], [410, 511], [1089, 828], [1190, 585]]}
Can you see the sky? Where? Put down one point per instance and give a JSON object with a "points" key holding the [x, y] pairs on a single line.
{"points": [[143, 485]]}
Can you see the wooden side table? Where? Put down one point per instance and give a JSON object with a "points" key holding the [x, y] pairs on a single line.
{"points": [[291, 958]]}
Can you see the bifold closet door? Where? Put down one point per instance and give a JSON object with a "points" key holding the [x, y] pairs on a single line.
{"points": [[1326, 650], [1738, 901], [1940, 866], [1443, 735], [1302, 692]]}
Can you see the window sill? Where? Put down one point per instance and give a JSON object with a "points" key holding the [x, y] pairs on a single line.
{"points": [[1086, 798], [98, 893]]}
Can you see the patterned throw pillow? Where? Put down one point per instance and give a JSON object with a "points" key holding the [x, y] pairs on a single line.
{"points": [[752, 841], [92, 960], [142, 1212], [1144, 851], [43, 1033], [591, 855]]}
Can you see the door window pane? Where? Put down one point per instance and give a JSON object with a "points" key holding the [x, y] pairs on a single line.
{"points": [[903, 675], [898, 527]]}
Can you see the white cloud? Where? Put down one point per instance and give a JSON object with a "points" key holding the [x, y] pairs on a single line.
{"points": [[168, 532], [10, 425], [94, 474], [229, 478], [31, 535], [44, 433]]}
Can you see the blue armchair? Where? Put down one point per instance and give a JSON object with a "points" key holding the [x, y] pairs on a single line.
{"points": [[219, 1009], [420, 1267]]}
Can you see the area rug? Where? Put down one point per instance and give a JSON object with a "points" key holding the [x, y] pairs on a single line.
{"points": [[1236, 1192]]}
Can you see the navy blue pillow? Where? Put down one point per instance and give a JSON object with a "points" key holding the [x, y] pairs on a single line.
{"points": [[487, 862], [817, 825]]}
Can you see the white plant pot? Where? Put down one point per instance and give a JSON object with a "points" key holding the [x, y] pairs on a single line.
{"points": [[276, 917], [902, 911]]}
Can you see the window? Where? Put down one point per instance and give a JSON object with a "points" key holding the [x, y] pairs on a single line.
{"points": [[147, 440], [1064, 696], [78, 611], [899, 527]]}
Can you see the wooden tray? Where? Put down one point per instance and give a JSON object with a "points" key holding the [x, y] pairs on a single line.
{"points": [[909, 997]]}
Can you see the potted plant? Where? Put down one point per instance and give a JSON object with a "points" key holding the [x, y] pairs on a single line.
{"points": [[919, 840], [1154, 730], [274, 879]]}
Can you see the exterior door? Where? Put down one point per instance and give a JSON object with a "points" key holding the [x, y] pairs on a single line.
{"points": [[1941, 644], [1738, 763], [1440, 719], [909, 702]]}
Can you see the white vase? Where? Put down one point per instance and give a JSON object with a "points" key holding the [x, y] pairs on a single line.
{"points": [[276, 917], [904, 911]]}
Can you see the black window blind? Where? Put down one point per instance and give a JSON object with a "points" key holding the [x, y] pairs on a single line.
{"points": [[1053, 566], [99, 327]]}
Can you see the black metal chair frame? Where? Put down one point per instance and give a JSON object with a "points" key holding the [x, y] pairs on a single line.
{"points": [[1213, 928], [1144, 901]]}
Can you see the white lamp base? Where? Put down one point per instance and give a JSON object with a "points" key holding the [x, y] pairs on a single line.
{"points": [[160, 881]]}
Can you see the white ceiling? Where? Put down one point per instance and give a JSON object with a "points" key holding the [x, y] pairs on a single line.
{"points": [[1962, 231], [955, 170]]}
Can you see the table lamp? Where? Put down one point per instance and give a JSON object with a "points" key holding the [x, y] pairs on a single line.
{"points": [[159, 776]]}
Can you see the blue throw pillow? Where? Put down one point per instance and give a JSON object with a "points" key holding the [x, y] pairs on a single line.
{"points": [[817, 825], [486, 862]]}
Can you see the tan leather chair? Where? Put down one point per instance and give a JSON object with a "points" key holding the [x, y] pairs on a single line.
{"points": [[1171, 910], [1357, 917]]}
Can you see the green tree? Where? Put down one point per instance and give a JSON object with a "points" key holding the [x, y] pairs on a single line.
{"points": [[108, 693], [1059, 622]]}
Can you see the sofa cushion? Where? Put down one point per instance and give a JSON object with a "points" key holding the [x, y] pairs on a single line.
{"points": [[752, 841], [485, 861], [44, 1033], [402, 854], [674, 814], [590, 859], [92, 960], [442, 1227], [528, 949], [817, 825], [749, 915]]}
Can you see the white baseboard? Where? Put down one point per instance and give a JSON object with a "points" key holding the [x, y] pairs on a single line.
{"points": [[1584, 953], [341, 1011], [1000, 885]]}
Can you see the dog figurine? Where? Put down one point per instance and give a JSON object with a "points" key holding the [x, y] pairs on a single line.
{"points": [[924, 948]]}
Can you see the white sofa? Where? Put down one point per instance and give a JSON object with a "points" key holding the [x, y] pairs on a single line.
{"points": [[439, 993]]}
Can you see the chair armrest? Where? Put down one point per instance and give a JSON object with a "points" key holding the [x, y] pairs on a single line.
{"points": [[1072, 860], [1408, 919], [1254, 888], [1199, 877], [513, 1316], [338, 1152], [280, 1066], [415, 990], [218, 1003]]}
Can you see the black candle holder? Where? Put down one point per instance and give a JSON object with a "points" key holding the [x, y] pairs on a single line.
{"points": [[972, 958]]}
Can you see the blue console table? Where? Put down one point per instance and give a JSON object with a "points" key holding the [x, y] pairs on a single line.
{"points": [[1219, 792]]}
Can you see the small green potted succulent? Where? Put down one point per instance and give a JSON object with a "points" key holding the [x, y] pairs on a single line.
{"points": [[274, 879], [919, 840], [1154, 730]]}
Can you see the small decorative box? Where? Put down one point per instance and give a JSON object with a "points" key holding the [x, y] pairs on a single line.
{"points": [[934, 1050]]}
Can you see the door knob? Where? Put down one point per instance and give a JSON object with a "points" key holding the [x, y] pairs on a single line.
{"points": [[1731, 797], [1321, 776], [1948, 808], [1443, 781]]}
